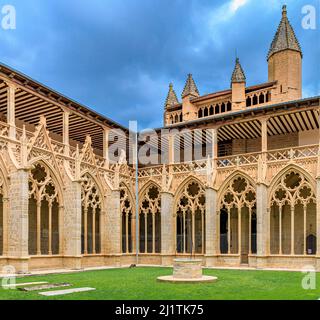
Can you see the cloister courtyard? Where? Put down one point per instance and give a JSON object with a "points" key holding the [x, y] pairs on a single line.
{"points": [[141, 284]]}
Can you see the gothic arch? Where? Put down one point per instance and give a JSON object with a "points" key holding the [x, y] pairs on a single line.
{"points": [[150, 218], [92, 200], [45, 203], [292, 207], [127, 215], [189, 213], [237, 216]]}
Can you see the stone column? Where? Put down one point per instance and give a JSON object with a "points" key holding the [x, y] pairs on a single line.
{"points": [[106, 146], [11, 92], [18, 231], [113, 227], [212, 230], [72, 225], [168, 232]]}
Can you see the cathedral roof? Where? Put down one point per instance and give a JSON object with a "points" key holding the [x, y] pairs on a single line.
{"points": [[172, 97], [238, 73], [285, 37], [190, 88]]}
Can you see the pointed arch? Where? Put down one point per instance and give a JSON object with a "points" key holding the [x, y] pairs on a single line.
{"points": [[45, 204], [127, 211], [292, 203], [189, 212], [150, 218], [237, 215], [92, 198]]}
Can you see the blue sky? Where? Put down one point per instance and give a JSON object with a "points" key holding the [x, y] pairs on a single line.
{"points": [[119, 56]]}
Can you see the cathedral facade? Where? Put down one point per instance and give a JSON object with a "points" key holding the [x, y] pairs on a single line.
{"points": [[236, 181]]}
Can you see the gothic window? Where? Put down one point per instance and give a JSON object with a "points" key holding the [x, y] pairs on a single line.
{"points": [[190, 219], [150, 221], [200, 113], [255, 100], [293, 216], [44, 207], [127, 219], [238, 218], [206, 112], [248, 102], [91, 216], [223, 108], [211, 112], [229, 106], [261, 98], [217, 109]]}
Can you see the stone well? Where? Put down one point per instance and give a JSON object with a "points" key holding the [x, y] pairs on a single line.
{"points": [[187, 271]]}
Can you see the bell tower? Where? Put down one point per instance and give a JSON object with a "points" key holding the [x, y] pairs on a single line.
{"points": [[285, 62]]}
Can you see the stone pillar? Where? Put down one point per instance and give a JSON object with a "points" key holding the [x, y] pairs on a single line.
{"points": [[262, 224], [18, 231], [212, 231], [113, 227], [106, 146], [168, 232], [72, 225]]}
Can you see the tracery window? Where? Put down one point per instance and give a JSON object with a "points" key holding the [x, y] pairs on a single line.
{"points": [[190, 219], [238, 218], [90, 217], [44, 206], [293, 216], [127, 225], [150, 221]]}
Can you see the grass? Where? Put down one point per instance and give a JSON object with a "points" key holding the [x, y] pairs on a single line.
{"points": [[141, 284]]}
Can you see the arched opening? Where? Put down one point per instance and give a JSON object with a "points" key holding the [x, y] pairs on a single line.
{"points": [[261, 98], [238, 221], [293, 216], [150, 221], [190, 221], [44, 207], [217, 109], [91, 216], [206, 113], [223, 108], [176, 119], [229, 106], [254, 100], [181, 118], [211, 111], [200, 113], [127, 218], [248, 102]]}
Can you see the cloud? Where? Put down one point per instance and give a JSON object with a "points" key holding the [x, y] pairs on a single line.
{"points": [[236, 4]]}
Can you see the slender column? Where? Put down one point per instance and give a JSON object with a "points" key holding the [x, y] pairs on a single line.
{"points": [[184, 233], [146, 233], [11, 92], [85, 236], [127, 233], [239, 231], [39, 228], [229, 231], [94, 231], [61, 232], [214, 133], [305, 229], [133, 233], [106, 146], [280, 230], [171, 155], [50, 228], [193, 233], [250, 230], [66, 142], [202, 233], [292, 230], [153, 233], [264, 135]]}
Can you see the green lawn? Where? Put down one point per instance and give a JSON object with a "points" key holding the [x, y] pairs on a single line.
{"points": [[141, 284]]}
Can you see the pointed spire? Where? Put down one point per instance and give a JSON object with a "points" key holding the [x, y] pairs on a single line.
{"points": [[285, 37], [172, 97], [190, 88], [238, 73]]}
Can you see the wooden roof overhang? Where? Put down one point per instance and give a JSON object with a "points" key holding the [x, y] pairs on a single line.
{"points": [[33, 99], [283, 118]]}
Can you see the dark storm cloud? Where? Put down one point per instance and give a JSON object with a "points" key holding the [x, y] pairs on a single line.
{"points": [[118, 56]]}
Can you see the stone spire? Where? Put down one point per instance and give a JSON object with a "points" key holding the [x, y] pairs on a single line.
{"points": [[238, 73], [285, 38], [172, 97], [190, 88]]}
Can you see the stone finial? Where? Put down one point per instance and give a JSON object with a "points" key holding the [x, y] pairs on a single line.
{"points": [[238, 74], [285, 38], [190, 88], [171, 98]]}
